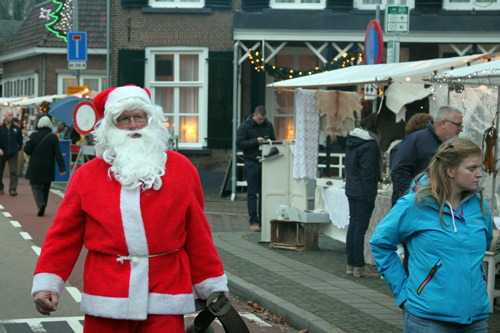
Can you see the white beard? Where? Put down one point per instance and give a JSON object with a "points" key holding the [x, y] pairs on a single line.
{"points": [[136, 161]]}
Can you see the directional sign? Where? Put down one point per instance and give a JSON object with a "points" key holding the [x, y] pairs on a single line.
{"points": [[77, 46], [374, 43], [397, 19]]}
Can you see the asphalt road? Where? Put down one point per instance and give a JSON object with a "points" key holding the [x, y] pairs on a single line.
{"points": [[21, 237]]}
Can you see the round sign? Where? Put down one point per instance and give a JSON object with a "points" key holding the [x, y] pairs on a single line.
{"points": [[374, 43], [85, 117]]}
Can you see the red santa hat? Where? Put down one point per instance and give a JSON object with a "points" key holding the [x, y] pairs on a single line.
{"points": [[112, 95]]}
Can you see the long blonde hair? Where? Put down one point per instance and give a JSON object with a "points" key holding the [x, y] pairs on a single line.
{"points": [[436, 188]]}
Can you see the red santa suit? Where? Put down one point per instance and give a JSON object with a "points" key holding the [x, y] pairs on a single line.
{"points": [[148, 251]]}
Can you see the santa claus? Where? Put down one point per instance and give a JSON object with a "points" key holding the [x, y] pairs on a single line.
{"points": [[138, 209]]}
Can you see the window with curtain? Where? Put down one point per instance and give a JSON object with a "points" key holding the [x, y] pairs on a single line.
{"points": [[178, 82], [469, 4], [93, 82], [23, 86], [283, 100], [372, 4], [298, 4], [177, 3]]}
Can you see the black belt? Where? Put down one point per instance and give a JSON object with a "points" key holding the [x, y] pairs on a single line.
{"points": [[223, 310]]}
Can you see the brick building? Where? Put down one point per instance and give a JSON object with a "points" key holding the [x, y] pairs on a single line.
{"points": [[194, 55]]}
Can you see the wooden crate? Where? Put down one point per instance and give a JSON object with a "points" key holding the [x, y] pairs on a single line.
{"points": [[294, 235]]}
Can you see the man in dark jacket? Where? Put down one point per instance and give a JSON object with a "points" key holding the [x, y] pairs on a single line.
{"points": [[251, 133], [11, 141], [362, 167], [43, 148], [417, 149]]}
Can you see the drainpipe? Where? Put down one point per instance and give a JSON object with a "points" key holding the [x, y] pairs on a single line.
{"points": [[43, 74], [235, 119], [108, 38]]}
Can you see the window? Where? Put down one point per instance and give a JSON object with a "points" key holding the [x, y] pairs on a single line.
{"points": [[177, 3], [93, 82], [298, 4], [471, 4], [178, 79], [372, 4], [22, 86], [283, 101]]}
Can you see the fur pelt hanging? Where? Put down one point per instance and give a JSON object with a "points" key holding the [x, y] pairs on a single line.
{"points": [[489, 140]]}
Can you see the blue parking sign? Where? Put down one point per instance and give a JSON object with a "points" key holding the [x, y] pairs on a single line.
{"points": [[77, 45]]}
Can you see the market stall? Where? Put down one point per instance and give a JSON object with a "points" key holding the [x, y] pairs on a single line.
{"points": [[417, 73]]}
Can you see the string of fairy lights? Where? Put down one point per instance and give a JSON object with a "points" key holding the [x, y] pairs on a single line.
{"points": [[490, 78], [282, 72], [61, 20]]}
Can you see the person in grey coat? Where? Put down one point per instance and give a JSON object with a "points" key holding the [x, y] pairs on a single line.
{"points": [[43, 148]]}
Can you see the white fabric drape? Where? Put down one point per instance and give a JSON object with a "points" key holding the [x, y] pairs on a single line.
{"points": [[305, 163], [337, 205]]}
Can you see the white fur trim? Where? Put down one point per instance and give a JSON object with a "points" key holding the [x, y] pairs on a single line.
{"points": [[126, 92], [171, 304], [208, 286], [48, 282], [137, 245], [119, 308], [362, 134]]}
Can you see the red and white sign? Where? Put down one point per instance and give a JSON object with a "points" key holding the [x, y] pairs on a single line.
{"points": [[374, 43], [85, 117]]}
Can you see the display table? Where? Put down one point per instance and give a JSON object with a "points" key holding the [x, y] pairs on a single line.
{"points": [[339, 214], [294, 235]]}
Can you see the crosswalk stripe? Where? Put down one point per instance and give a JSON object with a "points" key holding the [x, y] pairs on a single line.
{"points": [[75, 293]]}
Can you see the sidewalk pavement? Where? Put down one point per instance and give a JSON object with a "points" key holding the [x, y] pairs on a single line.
{"points": [[310, 289]]}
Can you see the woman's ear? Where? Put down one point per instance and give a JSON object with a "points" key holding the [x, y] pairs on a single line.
{"points": [[450, 172]]}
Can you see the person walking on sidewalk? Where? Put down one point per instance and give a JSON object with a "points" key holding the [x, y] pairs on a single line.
{"points": [[251, 133], [138, 209], [448, 228], [44, 150], [11, 141], [362, 167]]}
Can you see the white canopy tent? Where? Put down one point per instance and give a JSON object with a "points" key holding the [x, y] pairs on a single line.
{"points": [[37, 100], [486, 73], [5, 101], [412, 72]]}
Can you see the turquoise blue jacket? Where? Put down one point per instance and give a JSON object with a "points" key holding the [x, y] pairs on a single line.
{"points": [[447, 280]]}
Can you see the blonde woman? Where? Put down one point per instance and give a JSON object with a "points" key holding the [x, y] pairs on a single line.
{"points": [[447, 227]]}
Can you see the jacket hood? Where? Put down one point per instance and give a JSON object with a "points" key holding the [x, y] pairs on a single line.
{"points": [[358, 136], [362, 134]]}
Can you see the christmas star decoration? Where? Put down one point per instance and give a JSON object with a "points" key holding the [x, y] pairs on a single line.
{"points": [[44, 13]]}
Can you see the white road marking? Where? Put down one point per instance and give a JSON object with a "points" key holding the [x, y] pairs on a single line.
{"points": [[37, 249], [75, 293], [37, 327], [35, 324], [57, 192], [7, 214], [75, 325], [26, 235], [15, 224], [1, 207]]}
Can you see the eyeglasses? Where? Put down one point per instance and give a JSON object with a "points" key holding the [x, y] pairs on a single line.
{"points": [[459, 125], [137, 118]]}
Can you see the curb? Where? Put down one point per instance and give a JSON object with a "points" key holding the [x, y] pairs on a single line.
{"points": [[293, 315]]}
